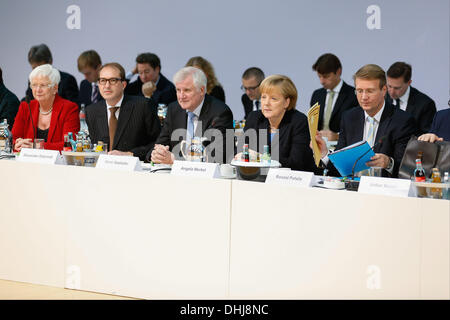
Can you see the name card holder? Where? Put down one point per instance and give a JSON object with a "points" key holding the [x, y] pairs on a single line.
{"points": [[196, 169], [40, 156], [290, 178], [119, 163], [386, 186]]}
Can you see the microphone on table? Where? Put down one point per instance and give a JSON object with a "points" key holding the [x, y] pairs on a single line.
{"points": [[32, 124], [378, 143]]}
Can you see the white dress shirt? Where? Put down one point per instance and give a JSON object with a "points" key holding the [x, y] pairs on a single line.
{"points": [[256, 107], [404, 99], [377, 118]]}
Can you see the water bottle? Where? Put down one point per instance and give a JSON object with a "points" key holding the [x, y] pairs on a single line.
{"points": [[265, 158], [83, 124], [5, 137], [445, 193]]}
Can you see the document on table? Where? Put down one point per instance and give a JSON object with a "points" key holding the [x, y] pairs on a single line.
{"points": [[313, 122]]}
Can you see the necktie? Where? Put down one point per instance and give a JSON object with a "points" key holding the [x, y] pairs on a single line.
{"points": [[370, 138], [190, 127], [257, 105], [370, 134], [397, 102], [94, 96], [328, 111], [112, 126]]}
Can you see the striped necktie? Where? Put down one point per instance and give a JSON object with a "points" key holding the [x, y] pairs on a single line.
{"points": [[370, 139], [371, 133], [94, 96]]}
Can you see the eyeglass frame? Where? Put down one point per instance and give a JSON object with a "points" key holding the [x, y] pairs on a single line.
{"points": [[42, 86], [250, 88], [112, 81], [367, 91]]}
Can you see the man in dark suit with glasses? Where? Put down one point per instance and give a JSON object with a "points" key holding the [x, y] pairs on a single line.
{"points": [[128, 124]]}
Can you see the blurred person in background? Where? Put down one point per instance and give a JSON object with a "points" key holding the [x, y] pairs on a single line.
{"points": [[67, 87], [251, 79], [335, 97], [407, 98], [213, 87], [89, 64], [148, 66], [9, 104], [440, 127]]}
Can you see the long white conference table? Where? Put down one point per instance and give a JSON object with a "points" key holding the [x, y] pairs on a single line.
{"points": [[159, 236]]}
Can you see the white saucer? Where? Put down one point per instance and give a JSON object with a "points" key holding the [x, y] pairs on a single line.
{"points": [[272, 164], [233, 176], [337, 184]]}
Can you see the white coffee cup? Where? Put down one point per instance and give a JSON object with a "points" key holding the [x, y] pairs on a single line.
{"points": [[227, 170]]}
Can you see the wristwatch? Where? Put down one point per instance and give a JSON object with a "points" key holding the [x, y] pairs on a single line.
{"points": [[391, 164]]}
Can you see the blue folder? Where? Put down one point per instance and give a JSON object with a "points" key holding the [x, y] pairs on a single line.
{"points": [[344, 159]]}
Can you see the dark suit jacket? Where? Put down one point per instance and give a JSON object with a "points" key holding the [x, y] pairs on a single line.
{"points": [[293, 138], [9, 105], [64, 119], [421, 107], [345, 101], [441, 124], [214, 115], [248, 104], [67, 88], [137, 128], [86, 93], [396, 127], [165, 90]]}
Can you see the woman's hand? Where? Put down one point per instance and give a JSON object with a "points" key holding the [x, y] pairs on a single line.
{"points": [[23, 143]]}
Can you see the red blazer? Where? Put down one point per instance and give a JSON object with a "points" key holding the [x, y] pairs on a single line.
{"points": [[65, 118]]}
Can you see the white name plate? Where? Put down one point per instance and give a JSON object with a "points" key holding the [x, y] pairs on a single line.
{"points": [[196, 169], [386, 186], [290, 177], [120, 163], [40, 156]]}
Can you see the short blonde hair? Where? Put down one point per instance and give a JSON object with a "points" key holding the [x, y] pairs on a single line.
{"points": [[148, 88], [281, 84], [371, 72], [89, 58]]}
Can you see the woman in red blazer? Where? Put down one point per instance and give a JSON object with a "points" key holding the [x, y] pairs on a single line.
{"points": [[51, 116]]}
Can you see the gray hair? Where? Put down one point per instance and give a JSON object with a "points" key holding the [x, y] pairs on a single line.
{"points": [[46, 70], [198, 76]]}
